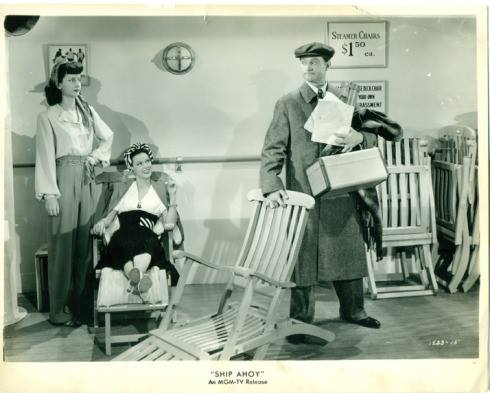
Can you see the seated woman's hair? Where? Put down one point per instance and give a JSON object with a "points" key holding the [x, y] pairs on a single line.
{"points": [[53, 94], [134, 149]]}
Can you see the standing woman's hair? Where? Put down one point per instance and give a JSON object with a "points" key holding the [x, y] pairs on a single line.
{"points": [[53, 93]]}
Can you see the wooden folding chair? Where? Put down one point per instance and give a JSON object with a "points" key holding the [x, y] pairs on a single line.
{"points": [[455, 189], [263, 269], [107, 180], [407, 211]]}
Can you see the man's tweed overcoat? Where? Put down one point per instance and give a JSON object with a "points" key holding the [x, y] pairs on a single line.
{"points": [[333, 247]]}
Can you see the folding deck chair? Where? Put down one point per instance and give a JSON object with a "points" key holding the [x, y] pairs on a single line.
{"points": [[454, 174], [123, 302], [407, 209], [263, 269]]}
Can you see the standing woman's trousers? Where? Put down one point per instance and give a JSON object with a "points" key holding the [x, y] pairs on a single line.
{"points": [[69, 246]]}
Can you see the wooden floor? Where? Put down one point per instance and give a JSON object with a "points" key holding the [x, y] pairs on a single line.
{"points": [[442, 326]]}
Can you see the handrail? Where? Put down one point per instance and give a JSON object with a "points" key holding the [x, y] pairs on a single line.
{"points": [[174, 160]]}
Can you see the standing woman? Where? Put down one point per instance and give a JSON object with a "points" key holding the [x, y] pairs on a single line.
{"points": [[65, 161]]}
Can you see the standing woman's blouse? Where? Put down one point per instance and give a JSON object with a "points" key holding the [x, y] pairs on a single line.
{"points": [[59, 134]]}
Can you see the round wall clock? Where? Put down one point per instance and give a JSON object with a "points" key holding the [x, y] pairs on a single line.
{"points": [[178, 58]]}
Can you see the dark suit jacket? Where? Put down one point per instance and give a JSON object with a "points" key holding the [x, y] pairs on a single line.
{"points": [[333, 247]]}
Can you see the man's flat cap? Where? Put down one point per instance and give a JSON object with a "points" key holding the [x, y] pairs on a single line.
{"points": [[315, 49]]}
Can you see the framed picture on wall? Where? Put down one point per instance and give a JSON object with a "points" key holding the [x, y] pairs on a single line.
{"points": [[70, 52], [358, 44]]}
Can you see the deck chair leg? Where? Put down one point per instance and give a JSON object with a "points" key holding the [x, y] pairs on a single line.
{"points": [[403, 261], [421, 265], [473, 270], [460, 263], [95, 313], [298, 327], [371, 280], [108, 333], [261, 352], [429, 268]]}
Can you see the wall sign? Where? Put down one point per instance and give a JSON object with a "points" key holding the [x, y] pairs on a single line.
{"points": [[358, 44], [372, 94]]}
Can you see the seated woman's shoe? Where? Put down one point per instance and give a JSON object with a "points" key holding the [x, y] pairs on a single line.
{"points": [[145, 284], [134, 276]]}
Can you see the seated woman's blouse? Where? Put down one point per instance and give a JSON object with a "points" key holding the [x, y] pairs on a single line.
{"points": [[60, 134], [150, 203]]}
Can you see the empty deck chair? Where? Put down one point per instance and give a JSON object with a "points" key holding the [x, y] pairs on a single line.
{"points": [[263, 269], [455, 188], [406, 203]]}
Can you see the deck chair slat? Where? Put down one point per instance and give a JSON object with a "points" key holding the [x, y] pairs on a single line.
{"points": [[147, 351], [382, 189], [294, 250], [281, 231], [219, 320], [256, 238], [287, 244], [403, 187], [411, 185], [155, 354], [264, 264], [263, 240], [165, 356]]}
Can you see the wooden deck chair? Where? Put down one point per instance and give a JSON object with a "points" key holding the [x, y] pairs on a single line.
{"points": [[263, 269], [454, 180], [123, 302], [406, 204]]}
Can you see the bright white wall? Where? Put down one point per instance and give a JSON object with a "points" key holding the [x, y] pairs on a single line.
{"points": [[224, 105]]}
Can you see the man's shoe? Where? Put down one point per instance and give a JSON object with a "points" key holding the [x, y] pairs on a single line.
{"points": [[368, 322], [305, 339]]}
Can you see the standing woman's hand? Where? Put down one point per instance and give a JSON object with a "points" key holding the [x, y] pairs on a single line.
{"points": [[52, 206], [171, 187]]}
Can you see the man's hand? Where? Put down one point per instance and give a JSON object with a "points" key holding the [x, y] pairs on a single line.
{"points": [[349, 141], [52, 206], [277, 198]]}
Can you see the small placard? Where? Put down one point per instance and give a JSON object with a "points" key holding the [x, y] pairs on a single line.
{"points": [[358, 44], [372, 94]]}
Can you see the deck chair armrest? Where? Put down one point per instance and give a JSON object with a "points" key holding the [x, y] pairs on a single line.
{"points": [[178, 254], [279, 284], [244, 272]]}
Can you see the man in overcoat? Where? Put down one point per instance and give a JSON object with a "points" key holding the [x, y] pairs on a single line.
{"points": [[333, 247]]}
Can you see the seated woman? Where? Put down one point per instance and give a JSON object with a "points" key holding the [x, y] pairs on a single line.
{"points": [[135, 247]]}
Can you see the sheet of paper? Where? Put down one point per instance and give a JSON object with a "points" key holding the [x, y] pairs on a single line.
{"points": [[330, 116]]}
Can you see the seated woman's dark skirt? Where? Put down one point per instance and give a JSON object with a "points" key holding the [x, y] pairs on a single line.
{"points": [[135, 236]]}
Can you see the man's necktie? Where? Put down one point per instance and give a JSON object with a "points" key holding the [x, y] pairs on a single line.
{"points": [[320, 94]]}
